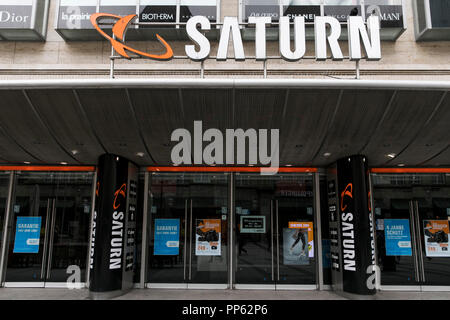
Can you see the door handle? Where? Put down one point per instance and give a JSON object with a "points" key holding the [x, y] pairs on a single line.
{"points": [[414, 241], [419, 242], [271, 237], [190, 244], [185, 237], [277, 233], [52, 237], [44, 253]]}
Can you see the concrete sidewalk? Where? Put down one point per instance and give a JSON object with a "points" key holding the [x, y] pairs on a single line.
{"points": [[180, 294]]}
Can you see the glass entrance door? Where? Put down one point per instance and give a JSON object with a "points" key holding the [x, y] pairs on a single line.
{"points": [[49, 229], [412, 222], [275, 231], [188, 230]]}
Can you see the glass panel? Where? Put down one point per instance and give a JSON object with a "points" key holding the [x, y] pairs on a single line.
{"points": [[274, 229], [389, 11], [190, 8], [185, 247], [167, 212], [16, 14], [440, 13], [4, 185], [254, 237], [261, 8], [36, 195], [295, 201], [118, 7], [342, 9], [73, 201], [209, 229], [308, 9], [392, 204], [434, 214], [75, 14]]}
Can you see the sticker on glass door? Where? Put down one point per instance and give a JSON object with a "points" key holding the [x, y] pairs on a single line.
{"points": [[208, 237], [436, 238], [28, 231]]}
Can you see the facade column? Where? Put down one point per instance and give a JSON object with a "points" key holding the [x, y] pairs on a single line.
{"points": [[351, 226], [114, 228]]}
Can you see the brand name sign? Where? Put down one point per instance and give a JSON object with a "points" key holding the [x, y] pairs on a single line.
{"points": [[327, 31]]}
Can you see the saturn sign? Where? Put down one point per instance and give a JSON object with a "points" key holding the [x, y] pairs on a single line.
{"points": [[327, 31]]}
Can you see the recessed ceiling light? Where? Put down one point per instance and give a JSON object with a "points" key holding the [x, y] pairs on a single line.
{"points": [[401, 164], [289, 165], [63, 163], [140, 154], [327, 154], [27, 162], [391, 155], [74, 152]]}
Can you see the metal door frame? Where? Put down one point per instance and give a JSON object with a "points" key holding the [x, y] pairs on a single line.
{"points": [[417, 252], [317, 246], [187, 268], [51, 208], [7, 233]]}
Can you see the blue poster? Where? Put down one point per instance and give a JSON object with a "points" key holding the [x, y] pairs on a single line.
{"points": [[28, 232], [167, 237], [397, 237]]}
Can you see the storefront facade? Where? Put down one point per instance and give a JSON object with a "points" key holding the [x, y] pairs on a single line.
{"points": [[71, 101]]}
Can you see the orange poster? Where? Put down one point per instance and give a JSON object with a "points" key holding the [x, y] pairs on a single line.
{"points": [[310, 227], [208, 237], [436, 238]]}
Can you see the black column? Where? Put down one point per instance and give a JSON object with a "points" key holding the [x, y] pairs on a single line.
{"points": [[114, 226], [351, 226]]}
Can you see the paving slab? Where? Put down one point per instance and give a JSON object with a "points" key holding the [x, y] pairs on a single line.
{"points": [[183, 294]]}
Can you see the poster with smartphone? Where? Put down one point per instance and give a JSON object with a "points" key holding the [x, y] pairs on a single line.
{"points": [[208, 237]]}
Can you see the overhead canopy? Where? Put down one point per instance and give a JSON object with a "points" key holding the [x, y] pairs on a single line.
{"points": [[75, 121]]}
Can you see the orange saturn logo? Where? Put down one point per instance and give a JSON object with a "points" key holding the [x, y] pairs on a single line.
{"points": [[119, 29], [348, 192], [120, 191]]}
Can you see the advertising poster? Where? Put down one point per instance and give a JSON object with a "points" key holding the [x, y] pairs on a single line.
{"points": [[436, 238], [295, 247], [309, 226], [397, 237], [167, 237], [28, 232], [253, 224], [208, 237]]}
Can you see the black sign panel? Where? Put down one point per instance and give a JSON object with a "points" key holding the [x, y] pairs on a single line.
{"points": [[309, 12], [440, 13], [75, 17], [113, 235], [342, 13], [117, 10], [15, 17], [187, 12], [390, 16], [158, 14], [355, 225], [272, 11]]}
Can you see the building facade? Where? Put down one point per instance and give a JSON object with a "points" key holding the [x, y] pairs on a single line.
{"points": [[82, 129]]}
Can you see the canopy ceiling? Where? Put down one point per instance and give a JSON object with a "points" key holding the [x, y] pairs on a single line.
{"points": [[48, 122]]}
